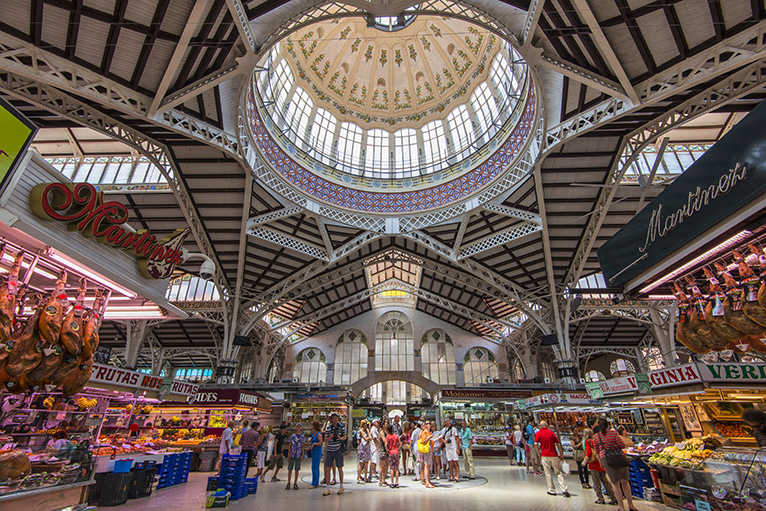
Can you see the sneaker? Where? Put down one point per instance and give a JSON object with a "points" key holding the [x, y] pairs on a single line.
{"points": [[566, 494], [587, 486], [326, 492], [551, 492], [340, 491], [275, 480], [600, 501]]}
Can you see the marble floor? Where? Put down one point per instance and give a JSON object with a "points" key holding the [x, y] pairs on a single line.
{"points": [[501, 487]]}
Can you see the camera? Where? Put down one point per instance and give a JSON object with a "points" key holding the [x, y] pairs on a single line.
{"points": [[207, 269]]}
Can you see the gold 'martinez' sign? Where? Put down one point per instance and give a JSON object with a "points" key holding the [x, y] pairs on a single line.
{"points": [[84, 209]]}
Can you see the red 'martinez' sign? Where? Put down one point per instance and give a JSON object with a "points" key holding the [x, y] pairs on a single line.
{"points": [[673, 376], [83, 207]]}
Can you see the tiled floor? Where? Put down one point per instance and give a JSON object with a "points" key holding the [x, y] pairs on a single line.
{"points": [[506, 488]]}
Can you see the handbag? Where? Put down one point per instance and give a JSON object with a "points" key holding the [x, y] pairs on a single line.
{"points": [[424, 447], [614, 458]]}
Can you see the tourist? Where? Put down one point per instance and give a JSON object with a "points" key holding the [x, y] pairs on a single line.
{"points": [[756, 420], [414, 436], [375, 449], [392, 447], [552, 454], [404, 448], [518, 446], [383, 453], [261, 449], [363, 451], [578, 444], [316, 453], [278, 454], [625, 436], [466, 440], [334, 439], [609, 446], [397, 425], [451, 441], [227, 444], [295, 453], [247, 442], [425, 455], [533, 463], [509, 451], [437, 440], [600, 484]]}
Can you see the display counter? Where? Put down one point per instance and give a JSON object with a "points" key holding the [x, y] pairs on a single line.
{"points": [[725, 479], [46, 498]]}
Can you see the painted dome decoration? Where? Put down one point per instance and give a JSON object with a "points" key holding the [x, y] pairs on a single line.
{"points": [[405, 118]]}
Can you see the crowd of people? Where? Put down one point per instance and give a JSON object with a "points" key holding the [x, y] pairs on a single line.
{"points": [[388, 449]]}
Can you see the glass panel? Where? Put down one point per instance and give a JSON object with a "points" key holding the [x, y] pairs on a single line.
{"points": [[434, 145], [377, 161], [350, 147]]}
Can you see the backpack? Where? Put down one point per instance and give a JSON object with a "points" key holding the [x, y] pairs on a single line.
{"points": [[424, 447]]}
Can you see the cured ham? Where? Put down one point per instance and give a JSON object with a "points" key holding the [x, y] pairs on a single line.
{"points": [[76, 371], [684, 333], [723, 334], [8, 296]]}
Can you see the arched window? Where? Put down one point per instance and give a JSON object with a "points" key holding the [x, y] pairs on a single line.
{"points": [[483, 103], [394, 343], [395, 392], [283, 82], [377, 160], [322, 133], [437, 354], [350, 358], [310, 366], [434, 144], [461, 130], [350, 147], [622, 367], [405, 152], [479, 364], [594, 375], [517, 370], [297, 117]]}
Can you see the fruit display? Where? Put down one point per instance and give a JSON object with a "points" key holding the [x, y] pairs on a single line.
{"points": [[86, 404], [690, 454], [731, 430], [642, 449]]}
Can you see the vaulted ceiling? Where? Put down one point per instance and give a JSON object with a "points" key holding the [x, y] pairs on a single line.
{"points": [[180, 59]]}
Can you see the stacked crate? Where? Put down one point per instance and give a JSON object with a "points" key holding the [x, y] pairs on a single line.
{"points": [[174, 470], [640, 478], [233, 474]]}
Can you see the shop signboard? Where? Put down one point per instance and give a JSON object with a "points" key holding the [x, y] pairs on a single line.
{"points": [[111, 375], [569, 398], [83, 209], [733, 372], [728, 176], [485, 394], [229, 397], [16, 133], [675, 376], [633, 384]]}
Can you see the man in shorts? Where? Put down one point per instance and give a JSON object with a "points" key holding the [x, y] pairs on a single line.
{"points": [[297, 449], [375, 448], [280, 451], [261, 448], [335, 441]]}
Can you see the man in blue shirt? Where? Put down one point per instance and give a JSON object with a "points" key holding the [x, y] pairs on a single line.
{"points": [[466, 440]]}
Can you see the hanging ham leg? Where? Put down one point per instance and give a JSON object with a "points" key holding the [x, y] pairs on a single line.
{"points": [[25, 355], [76, 371], [684, 333], [8, 296], [50, 333], [723, 334]]}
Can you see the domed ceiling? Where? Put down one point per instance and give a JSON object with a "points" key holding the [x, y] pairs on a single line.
{"points": [[403, 78]]}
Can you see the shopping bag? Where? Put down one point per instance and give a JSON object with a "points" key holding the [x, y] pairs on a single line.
{"points": [[565, 468]]}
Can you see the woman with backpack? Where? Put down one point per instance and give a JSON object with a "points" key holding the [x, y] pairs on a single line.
{"points": [[425, 455], [609, 446]]}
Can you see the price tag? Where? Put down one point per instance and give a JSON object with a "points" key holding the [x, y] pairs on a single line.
{"points": [[702, 505]]}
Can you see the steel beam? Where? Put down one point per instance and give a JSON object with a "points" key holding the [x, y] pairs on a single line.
{"points": [[196, 16], [288, 241], [582, 75], [239, 14], [265, 218], [196, 88], [530, 22], [497, 239], [602, 43], [734, 86]]}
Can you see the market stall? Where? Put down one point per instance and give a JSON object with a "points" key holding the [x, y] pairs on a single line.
{"points": [[317, 407], [489, 412]]}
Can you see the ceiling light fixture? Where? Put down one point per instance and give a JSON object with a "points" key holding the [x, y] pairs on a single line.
{"points": [[60, 258], [700, 258]]}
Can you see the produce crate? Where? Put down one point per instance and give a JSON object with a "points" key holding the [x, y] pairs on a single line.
{"points": [[174, 469], [232, 475]]}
